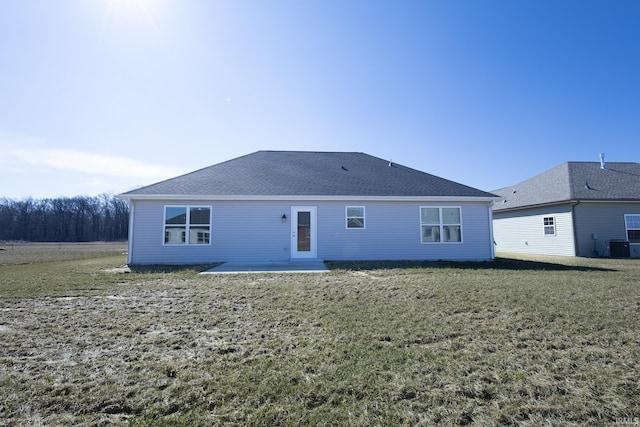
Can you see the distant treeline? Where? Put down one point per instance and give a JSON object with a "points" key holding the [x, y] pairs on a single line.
{"points": [[75, 219]]}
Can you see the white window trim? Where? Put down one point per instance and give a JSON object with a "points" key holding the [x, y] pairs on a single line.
{"points": [[441, 242], [626, 227], [187, 225], [544, 233], [346, 215]]}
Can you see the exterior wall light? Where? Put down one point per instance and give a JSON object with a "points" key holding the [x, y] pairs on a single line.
{"points": [[284, 218]]}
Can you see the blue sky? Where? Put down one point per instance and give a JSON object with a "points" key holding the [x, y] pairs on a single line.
{"points": [[107, 95]]}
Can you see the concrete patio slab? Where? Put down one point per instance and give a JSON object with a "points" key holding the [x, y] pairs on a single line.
{"points": [[312, 266]]}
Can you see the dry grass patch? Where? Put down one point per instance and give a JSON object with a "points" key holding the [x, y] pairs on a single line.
{"points": [[516, 342], [29, 253]]}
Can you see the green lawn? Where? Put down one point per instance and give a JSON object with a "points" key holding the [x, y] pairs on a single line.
{"points": [[544, 341]]}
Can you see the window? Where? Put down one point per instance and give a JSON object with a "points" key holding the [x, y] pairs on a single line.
{"points": [[441, 225], [549, 225], [355, 216], [187, 225], [632, 224]]}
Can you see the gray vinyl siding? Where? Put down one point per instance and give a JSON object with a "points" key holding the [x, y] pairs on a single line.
{"points": [[392, 232], [240, 231], [605, 222], [522, 231], [253, 231]]}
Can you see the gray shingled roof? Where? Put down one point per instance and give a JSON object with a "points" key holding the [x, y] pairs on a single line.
{"points": [[574, 181], [301, 173]]}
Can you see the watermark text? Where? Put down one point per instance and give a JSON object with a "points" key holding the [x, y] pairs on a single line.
{"points": [[628, 421]]}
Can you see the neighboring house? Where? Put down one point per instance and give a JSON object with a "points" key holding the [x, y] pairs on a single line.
{"points": [[585, 209], [284, 205]]}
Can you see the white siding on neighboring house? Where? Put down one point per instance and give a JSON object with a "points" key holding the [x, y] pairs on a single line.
{"points": [[523, 231], [253, 231], [605, 222]]}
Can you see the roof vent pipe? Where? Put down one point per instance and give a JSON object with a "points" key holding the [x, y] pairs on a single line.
{"points": [[603, 165]]}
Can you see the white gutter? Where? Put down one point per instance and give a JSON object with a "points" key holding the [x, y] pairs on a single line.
{"points": [[564, 202], [131, 197]]}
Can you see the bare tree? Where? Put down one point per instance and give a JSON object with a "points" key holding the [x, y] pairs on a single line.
{"points": [[77, 219]]}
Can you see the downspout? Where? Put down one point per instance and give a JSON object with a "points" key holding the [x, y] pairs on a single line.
{"points": [[491, 239], [130, 237], [575, 230]]}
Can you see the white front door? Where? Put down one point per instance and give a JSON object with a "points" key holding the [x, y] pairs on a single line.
{"points": [[303, 232]]}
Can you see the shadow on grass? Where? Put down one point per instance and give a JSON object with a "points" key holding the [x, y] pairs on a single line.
{"points": [[497, 264], [170, 268]]}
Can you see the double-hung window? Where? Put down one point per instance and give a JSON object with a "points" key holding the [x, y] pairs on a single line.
{"points": [[187, 225], [549, 224], [440, 224], [355, 216], [632, 224]]}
